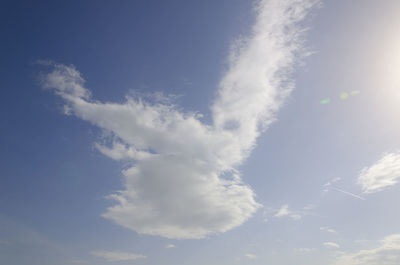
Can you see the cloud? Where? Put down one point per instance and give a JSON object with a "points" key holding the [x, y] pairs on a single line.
{"points": [[183, 181], [350, 194], [331, 245], [170, 246], [328, 229], [382, 174], [387, 253], [304, 250], [334, 180], [250, 256], [116, 255], [284, 211]]}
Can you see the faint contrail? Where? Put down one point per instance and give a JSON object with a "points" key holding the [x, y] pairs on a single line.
{"points": [[349, 193]]}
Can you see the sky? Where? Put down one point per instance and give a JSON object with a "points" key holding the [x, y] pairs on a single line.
{"points": [[192, 132]]}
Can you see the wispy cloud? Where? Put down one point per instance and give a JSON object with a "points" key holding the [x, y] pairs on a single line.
{"points": [[116, 255], [183, 182], [384, 173], [284, 211], [331, 245], [328, 229], [334, 180], [250, 256], [170, 246], [350, 194], [303, 250], [387, 253], [328, 186]]}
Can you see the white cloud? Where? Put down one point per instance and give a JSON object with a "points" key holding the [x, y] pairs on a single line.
{"points": [[170, 246], [334, 180], [116, 255], [328, 229], [382, 174], [304, 250], [331, 245], [250, 256], [183, 181], [295, 216], [388, 253], [284, 211], [119, 151]]}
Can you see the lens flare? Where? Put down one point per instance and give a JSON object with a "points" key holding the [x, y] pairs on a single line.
{"points": [[343, 95], [325, 101]]}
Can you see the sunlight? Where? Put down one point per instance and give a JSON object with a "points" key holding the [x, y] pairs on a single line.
{"points": [[389, 64]]}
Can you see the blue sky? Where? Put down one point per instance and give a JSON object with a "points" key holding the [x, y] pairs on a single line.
{"points": [[192, 132]]}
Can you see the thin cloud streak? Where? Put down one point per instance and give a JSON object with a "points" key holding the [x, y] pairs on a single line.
{"points": [[350, 194]]}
